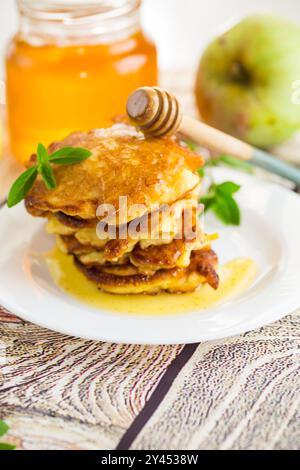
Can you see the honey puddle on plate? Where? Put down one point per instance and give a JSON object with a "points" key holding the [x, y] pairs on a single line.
{"points": [[235, 277]]}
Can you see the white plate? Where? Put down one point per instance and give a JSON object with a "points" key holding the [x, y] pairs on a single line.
{"points": [[269, 233]]}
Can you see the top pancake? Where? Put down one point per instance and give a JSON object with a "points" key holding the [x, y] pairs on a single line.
{"points": [[150, 172]]}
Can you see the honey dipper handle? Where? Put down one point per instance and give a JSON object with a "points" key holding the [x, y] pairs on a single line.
{"points": [[157, 113], [214, 139], [219, 141]]}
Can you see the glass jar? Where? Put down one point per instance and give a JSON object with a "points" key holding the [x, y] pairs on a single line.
{"points": [[71, 66]]}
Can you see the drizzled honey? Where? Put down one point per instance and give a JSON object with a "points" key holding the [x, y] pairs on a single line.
{"points": [[56, 86], [236, 277]]}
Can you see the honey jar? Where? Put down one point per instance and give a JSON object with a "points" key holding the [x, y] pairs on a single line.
{"points": [[71, 66]]}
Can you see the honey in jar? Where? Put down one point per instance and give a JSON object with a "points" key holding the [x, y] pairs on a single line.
{"points": [[72, 66]]}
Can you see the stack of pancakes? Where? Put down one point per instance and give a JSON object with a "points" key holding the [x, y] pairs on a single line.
{"points": [[155, 245]]}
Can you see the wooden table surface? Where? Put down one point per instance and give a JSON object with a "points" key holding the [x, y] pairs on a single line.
{"points": [[58, 392]]}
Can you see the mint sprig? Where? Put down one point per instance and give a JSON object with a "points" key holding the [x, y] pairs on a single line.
{"points": [[3, 430], [236, 163], [220, 197], [64, 156], [220, 200]]}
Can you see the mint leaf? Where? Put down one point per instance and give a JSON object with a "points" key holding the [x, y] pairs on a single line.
{"points": [[227, 188], [42, 154], [226, 208], [22, 186], [208, 202], [47, 174], [3, 428], [221, 210], [235, 211], [69, 156], [234, 162], [6, 446], [44, 167], [219, 199]]}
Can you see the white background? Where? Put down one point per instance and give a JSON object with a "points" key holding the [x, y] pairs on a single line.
{"points": [[181, 28]]}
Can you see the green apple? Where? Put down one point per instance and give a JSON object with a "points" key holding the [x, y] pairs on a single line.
{"points": [[245, 80]]}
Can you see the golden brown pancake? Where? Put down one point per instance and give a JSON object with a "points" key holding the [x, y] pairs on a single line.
{"points": [[176, 280], [97, 258], [85, 236], [75, 222], [155, 257], [69, 244], [61, 220], [150, 172], [163, 229]]}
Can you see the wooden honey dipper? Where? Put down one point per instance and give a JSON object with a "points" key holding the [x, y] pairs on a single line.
{"points": [[157, 113]]}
